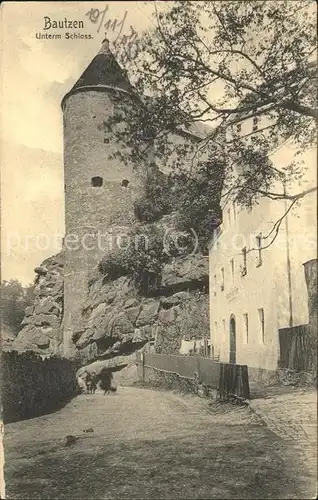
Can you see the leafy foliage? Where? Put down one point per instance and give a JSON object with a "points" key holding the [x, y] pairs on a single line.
{"points": [[198, 200], [194, 199], [141, 259], [205, 62], [155, 200]]}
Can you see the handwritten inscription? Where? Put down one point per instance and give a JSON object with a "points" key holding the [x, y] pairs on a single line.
{"points": [[97, 16], [128, 42]]}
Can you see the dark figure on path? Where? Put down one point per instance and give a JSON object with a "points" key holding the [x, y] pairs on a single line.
{"points": [[91, 383], [106, 377]]}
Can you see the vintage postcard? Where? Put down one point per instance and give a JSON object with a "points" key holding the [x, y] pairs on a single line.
{"points": [[158, 250]]}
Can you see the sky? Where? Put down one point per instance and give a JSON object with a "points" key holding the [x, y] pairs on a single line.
{"points": [[36, 74]]}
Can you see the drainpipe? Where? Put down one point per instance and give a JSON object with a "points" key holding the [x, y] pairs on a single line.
{"points": [[290, 297]]}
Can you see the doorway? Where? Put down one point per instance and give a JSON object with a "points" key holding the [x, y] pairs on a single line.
{"points": [[232, 340]]}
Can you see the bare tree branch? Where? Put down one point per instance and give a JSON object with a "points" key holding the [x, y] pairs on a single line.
{"points": [[285, 196]]}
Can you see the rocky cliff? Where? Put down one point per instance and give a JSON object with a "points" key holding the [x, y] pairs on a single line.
{"points": [[41, 327], [116, 320]]}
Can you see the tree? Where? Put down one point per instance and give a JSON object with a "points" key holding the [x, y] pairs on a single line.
{"points": [[14, 299], [220, 63]]}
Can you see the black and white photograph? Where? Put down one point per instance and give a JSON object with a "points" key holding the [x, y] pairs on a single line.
{"points": [[158, 250]]}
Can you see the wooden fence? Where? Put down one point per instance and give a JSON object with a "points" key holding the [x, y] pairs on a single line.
{"points": [[225, 378], [296, 348]]}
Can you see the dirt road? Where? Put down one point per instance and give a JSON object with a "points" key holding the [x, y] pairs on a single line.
{"points": [[150, 445]]}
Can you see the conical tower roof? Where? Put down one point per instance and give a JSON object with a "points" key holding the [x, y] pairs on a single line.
{"points": [[103, 72]]}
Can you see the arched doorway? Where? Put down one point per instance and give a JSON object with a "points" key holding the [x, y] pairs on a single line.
{"points": [[232, 339]]}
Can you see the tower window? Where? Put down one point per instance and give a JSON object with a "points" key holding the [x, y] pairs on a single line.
{"points": [[106, 140], [255, 123], [97, 181], [124, 183]]}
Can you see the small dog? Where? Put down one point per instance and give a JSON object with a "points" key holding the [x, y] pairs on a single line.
{"points": [[109, 390]]}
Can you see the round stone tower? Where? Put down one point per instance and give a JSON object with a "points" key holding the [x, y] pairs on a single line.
{"points": [[99, 191]]}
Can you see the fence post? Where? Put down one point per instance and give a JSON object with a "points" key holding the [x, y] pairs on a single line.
{"points": [[205, 348], [221, 381], [199, 369], [245, 383], [142, 359]]}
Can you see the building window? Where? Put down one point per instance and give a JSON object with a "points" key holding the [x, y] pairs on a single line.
{"points": [[255, 123], [245, 319], [262, 323], [215, 326], [97, 181], [124, 183], [232, 269], [106, 140], [229, 216], [238, 128], [244, 266], [216, 236], [222, 279], [259, 248], [215, 284], [224, 327], [234, 211]]}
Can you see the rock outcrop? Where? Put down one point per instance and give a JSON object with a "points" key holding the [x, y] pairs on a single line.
{"points": [[41, 326], [117, 321]]}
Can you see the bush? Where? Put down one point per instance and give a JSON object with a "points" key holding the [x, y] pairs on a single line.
{"points": [[142, 260], [197, 202], [193, 197], [31, 386], [156, 199]]}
